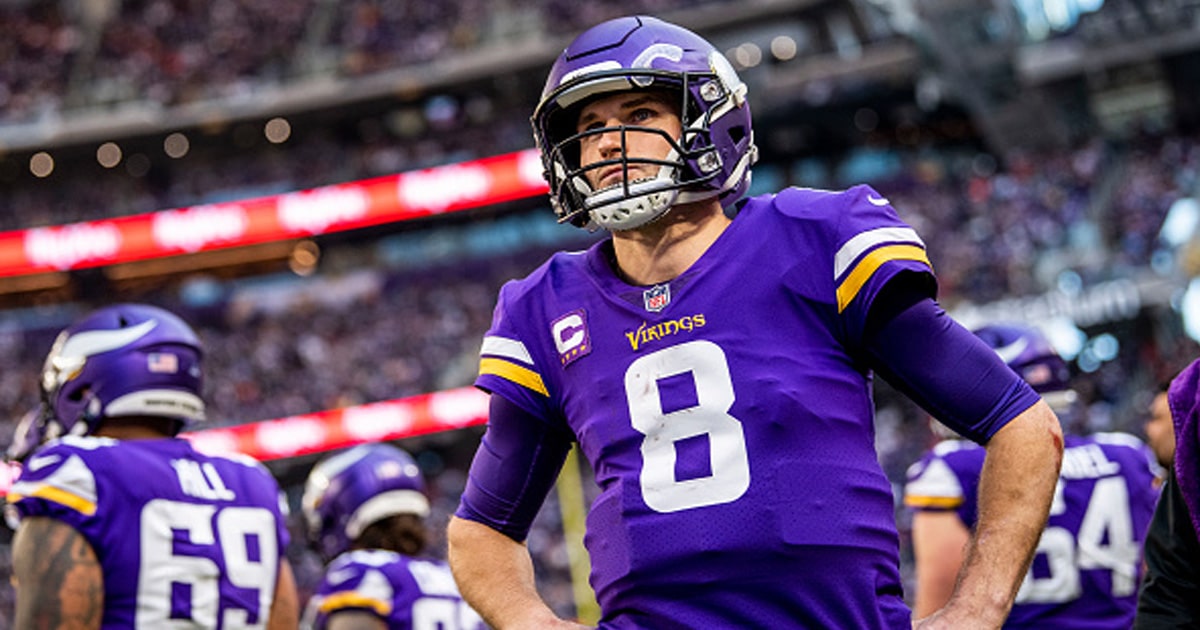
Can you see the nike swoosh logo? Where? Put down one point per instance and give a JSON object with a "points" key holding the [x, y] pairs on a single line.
{"points": [[877, 201], [1012, 350], [38, 463]]}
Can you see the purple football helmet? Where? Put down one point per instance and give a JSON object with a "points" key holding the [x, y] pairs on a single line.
{"points": [[1031, 355], [713, 157], [121, 361], [349, 491]]}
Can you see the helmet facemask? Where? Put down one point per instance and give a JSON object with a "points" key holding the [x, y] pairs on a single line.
{"points": [[635, 200], [710, 159]]}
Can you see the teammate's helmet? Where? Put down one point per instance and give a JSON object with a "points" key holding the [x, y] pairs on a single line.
{"points": [[121, 361], [713, 157], [1031, 355], [349, 491]]}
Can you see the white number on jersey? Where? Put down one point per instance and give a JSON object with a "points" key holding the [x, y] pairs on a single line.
{"points": [[730, 466], [163, 573], [439, 613], [1105, 541]]}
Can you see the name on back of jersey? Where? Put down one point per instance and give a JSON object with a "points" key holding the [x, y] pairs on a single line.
{"points": [[201, 480], [1087, 462]]}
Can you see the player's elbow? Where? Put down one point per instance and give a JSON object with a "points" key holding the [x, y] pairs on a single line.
{"points": [[462, 541], [1036, 434]]}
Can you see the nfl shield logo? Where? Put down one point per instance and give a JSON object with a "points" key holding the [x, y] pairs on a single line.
{"points": [[657, 297]]}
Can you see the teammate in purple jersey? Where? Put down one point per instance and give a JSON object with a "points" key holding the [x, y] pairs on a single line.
{"points": [[713, 359], [124, 525], [1088, 561], [365, 510]]}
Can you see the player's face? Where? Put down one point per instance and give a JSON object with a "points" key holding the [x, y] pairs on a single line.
{"points": [[1160, 430], [637, 109]]}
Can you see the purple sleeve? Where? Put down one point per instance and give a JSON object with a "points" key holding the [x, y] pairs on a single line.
{"points": [[947, 370], [515, 466], [1184, 399]]}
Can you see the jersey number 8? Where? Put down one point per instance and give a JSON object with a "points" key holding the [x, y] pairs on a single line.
{"points": [[729, 476]]}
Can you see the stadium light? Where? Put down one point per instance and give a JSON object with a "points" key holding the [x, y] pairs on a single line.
{"points": [[108, 154]]}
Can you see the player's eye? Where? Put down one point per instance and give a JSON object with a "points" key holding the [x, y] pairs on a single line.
{"points": [[642, 114]]}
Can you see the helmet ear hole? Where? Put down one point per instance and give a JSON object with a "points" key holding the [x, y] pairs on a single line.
{"points": [[78, 395], [737, 134]]}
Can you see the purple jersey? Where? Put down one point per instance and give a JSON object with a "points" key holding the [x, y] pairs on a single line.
{"points": [[182, 538], [1088, 563], [726, 416], [406, 593]]}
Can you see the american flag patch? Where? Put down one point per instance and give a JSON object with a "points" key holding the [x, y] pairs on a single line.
{"points": [[162, 363], [657, 297]]}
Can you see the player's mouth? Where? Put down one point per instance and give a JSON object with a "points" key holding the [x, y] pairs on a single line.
{"points": [[614, 176]]}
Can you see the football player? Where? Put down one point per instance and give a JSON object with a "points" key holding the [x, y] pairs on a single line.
{"points": [[122, 523], [28, 436], [713, 358], [1172, 587], [365, 509], [1160, 429], [1088, 562]]}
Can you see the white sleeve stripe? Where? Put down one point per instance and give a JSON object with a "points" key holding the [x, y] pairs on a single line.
{"points": [[73, 477], [507, 348], [864, 241]]}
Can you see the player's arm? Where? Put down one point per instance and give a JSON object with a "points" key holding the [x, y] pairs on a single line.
{"points": [[59, 580], [939, 547], [923, 352], [478, 556], [1016, 487], [514, 468], [285, 607]]}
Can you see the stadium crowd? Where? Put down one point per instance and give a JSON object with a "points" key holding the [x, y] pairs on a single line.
{"points": [[59, 56]]}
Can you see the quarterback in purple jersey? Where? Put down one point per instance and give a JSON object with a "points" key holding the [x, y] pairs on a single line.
{"points": [[1088, 562], [365, 510], [713, 360], [124, 525]]}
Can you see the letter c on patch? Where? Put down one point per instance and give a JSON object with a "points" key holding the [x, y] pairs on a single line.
{"points": [[568, 332]]}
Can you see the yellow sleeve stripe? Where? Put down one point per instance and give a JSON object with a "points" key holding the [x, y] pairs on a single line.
{"points": [[351, 599], [871, 263], [932, 502], [59, 496], [522, 376]]}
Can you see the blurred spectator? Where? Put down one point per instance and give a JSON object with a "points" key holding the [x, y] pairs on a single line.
{"points": [[1160, 429]]}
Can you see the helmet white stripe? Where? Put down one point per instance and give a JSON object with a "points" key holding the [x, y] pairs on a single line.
{"points": [[171, 403], [383, 505]]}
